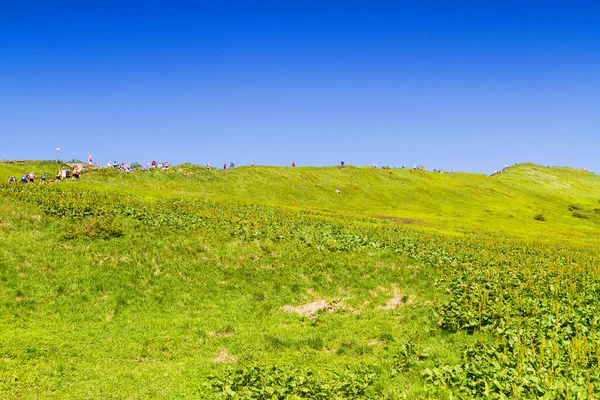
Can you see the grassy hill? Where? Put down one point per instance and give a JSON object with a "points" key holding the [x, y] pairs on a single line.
{"points": [[262, 281], [452, 202]]}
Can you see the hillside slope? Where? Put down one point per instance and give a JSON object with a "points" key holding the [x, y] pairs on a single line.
{"points": [[405, 284], [504, 204]]}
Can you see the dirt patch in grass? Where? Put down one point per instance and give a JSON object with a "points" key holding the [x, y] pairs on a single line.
{"points": [[401, 220], [224, 357], [223, 332], [308, 310], [398, 300]]}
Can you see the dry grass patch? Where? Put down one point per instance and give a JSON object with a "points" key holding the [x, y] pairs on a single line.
{"points": [[224, 357], [398, 300], [309, 310]]}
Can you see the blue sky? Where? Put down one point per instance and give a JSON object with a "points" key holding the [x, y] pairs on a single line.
{"points": [[470, 86]]}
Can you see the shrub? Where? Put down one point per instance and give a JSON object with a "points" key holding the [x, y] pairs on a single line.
{"points": [[575, 207], [94, 228], [580, 215], [539, 217], [258, 381]]}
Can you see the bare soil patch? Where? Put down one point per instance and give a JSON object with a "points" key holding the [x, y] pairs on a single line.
{"points": [[398, 300], [309, 310], [401, 220], [224, 357]]}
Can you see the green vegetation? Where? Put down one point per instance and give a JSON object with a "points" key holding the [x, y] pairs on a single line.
{"points": [[539, 217], [264, 282]]}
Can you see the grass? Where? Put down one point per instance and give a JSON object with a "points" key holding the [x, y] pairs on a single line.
{"points": [[446, 202], [115, 307]]}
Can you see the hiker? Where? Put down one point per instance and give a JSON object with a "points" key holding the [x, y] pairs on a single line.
{"points": [[109, 164], [12, 179], [166, 165], [252, 164], [24, 178], [115, 165], [224, 165], [90, 160], [148, 165], [44, 176], [208, 166], [76, 173], [31, 177], [153, 163], [293, 163], [58, 175], [342, 163]]}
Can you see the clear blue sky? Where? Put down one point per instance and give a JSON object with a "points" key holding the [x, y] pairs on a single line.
{"points": [[470, 86]]}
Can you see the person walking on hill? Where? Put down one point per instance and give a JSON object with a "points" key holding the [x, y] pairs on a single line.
{"points": [[24, 178], [293, 163], [224, 165], [12, 179], [31, 177], [90, 160], [44, 176]]}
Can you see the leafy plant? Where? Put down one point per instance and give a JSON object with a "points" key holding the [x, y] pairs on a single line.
{"points": [[578, 214], [539, 217], [260, 381], [94, 228]]}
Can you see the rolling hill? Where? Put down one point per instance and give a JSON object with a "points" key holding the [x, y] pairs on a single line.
{"points": [[270, 282]]}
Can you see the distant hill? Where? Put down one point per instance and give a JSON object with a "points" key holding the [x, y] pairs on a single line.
{"points": [[525, 201]]}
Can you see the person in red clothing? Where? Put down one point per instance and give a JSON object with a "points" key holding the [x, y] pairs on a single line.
{"points": [[293, 163]]}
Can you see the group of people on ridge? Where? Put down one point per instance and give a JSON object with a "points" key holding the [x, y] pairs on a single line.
{"points": [[62, 174], [28, 178]]}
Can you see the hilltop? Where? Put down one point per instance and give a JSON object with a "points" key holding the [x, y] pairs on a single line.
{"points": [[504, 204]]}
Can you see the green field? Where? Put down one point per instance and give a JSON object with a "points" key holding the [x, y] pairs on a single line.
{"points": [[319, 283]]}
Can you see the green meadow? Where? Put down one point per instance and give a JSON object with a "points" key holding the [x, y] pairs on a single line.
{"points": [[301, 283]]}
